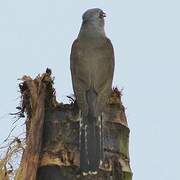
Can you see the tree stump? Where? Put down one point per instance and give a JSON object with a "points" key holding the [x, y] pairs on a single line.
{"points": [[57, 158]]}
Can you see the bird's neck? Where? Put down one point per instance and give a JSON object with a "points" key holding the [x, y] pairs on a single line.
{"points": [[91, 30]]}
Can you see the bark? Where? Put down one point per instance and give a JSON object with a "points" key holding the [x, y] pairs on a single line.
{"points": [[52, 150], [34, 96]]}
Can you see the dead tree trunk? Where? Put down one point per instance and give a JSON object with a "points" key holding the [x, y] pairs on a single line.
{"points": [[52, 150]]}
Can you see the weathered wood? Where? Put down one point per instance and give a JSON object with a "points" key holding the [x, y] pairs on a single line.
{"points": [[32, 152], [52, 151], [34, 96], [60, 152]]}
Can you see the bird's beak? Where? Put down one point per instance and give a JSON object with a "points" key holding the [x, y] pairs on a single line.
{"points": [[102, 14]]}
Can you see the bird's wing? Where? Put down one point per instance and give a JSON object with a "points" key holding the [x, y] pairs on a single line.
{"points": [[79, 79], [73, 57], [104, 77], [104, 66]]}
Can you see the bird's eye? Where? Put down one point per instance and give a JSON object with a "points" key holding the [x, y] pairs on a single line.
{"points": [[102, 14]]}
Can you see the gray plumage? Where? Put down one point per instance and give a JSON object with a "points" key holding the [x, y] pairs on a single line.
{"points": [[92, 67]]}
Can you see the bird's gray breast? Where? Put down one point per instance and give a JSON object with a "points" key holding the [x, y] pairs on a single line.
{"points": [[93, 63]]}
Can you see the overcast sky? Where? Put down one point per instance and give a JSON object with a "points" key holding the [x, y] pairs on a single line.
{"points": [[146, 38]]}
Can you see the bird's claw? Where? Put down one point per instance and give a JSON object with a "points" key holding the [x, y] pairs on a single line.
{"points": [[93, 172], [84, 173]]}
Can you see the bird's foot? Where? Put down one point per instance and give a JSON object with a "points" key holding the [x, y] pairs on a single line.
{"points": [[85, 173], [93, 172]]}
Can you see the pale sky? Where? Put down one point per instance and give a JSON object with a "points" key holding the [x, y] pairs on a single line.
{"points": [[146, 38]]}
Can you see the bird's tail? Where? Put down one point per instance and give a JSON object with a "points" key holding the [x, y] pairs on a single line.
{"points": [[91, 152]]}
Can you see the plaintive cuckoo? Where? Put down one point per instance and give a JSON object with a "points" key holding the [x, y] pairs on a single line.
{"points": [[92, 68]]}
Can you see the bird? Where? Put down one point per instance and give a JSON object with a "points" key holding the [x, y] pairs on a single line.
{"points": [[92, 69]]}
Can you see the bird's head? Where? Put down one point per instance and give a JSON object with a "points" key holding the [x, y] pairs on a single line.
{"points": [[94, 15]]}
